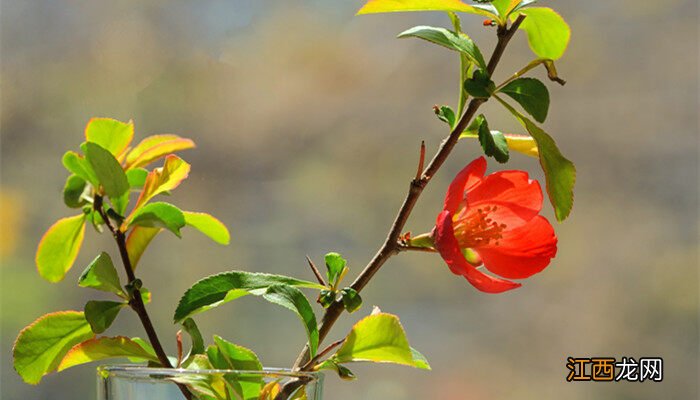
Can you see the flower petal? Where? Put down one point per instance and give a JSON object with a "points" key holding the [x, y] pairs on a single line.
{"points": [[521, 252], [446, 244], [465, 180], [517, 197]]}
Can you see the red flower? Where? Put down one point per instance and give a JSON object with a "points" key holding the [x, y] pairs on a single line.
{"points": [[494, 219]]}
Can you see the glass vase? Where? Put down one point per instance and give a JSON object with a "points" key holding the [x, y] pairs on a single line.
{"points": [[134, 382]]}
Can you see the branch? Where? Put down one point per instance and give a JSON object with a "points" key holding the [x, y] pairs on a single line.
{"points": [[391, 245], [136, 302]]}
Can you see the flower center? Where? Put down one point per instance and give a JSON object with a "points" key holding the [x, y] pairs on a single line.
{"points": [[475, 228]]}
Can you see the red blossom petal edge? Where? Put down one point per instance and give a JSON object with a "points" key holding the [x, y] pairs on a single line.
{"points": [[446, 244]]}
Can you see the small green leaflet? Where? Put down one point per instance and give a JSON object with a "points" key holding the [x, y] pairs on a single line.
{"points": [[379, 338], [351, 299], [547, 32], [531, 94], [59, 247], [73, 191], [101, 314], [218, 289], [449, 39], [159, 215], [195, 335], [492, 142], [80, 167], [560, 173], [293, 299], [445, 114], [103, 348], [100, 274], [41, 346], [109, 173], [335, 264], [480, 86]]}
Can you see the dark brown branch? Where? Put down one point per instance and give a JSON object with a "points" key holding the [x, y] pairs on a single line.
{"points": [[136, 301], [391, 243], [323, 353]]}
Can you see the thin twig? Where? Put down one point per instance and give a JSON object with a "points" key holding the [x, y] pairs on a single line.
{"points": [[404, 247], [391, 245], [317, 273], [421, 160], [320, 355]]}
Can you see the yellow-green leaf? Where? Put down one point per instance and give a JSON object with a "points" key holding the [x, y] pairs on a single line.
{"points": [[109, 133], [209, 226], [103, 348], [59, 247], [379, 338], [560, 173], [102, 275], [155, 147], [162, 179], [101, 314], [158, 215], [40, 347], [109, 173], [383, 6], [80, 167], [547, 32], [137, 242]]}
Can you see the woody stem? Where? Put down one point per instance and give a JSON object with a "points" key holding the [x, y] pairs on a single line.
{"points": [[136, 301], [391, 244]]}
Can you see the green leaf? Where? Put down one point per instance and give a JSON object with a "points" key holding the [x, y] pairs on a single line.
{"points": [[138, 240], [79, 166], [449, 39], [547, 32], [235, 356], [480, 86], [59, 247], [100, 274], [326, 298], [209, 226], [445, 114], [492, 142], [104, 348], [136, 177], [101, 314], [293, 299], [73, 192], [218, 289], [227, 355], [335, 264], [383, 6], [531, 94], [378, 338], [195, 335], [351, 299], [560, 173], [159, 215], [110, 134], [108, 171], [40, 347]]}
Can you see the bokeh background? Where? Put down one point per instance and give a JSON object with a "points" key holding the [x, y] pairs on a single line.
{"points": [[308, 122]]}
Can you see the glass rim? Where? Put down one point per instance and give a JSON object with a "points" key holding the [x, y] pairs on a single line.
{"points": [[134, 370]]}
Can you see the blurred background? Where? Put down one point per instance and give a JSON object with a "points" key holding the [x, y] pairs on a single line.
{"points": [[308, 122]]}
